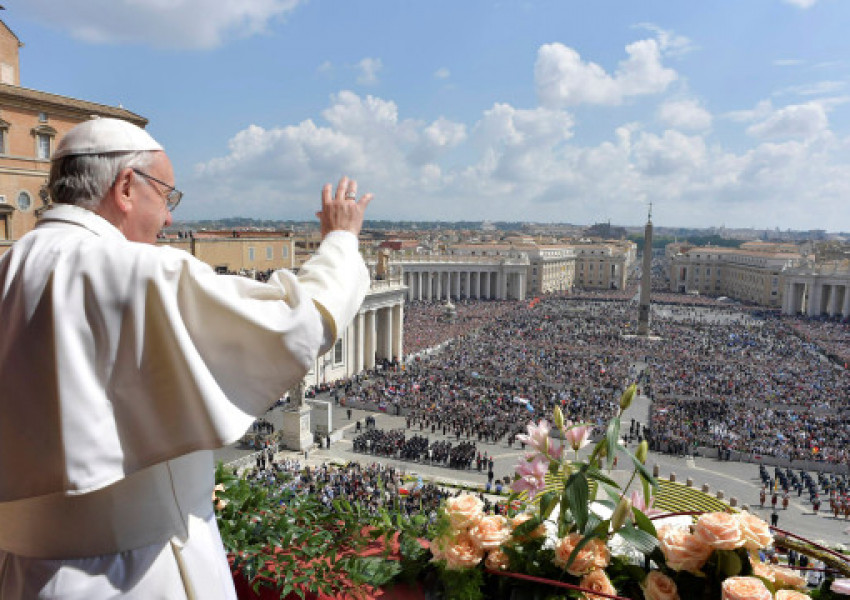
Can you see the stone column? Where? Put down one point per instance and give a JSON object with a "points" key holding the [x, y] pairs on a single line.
{"points": [[398, 331], [370, 345], [486, 287], [439, 286], [845, 310], [521, 283], [359, 342], [813, 299], [832, 308], [384, 324]]}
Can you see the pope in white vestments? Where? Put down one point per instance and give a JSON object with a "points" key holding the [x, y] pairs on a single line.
{"points": [[123, 364]]}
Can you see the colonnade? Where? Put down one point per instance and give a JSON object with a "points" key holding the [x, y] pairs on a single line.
{"points": [[815, 298], [456, 283], [377, 334]]}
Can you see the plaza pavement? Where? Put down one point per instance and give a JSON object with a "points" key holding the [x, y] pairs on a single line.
{"points": [[738, 480]]}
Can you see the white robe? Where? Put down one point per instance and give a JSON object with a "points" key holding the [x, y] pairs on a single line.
{"points": [[121, 366]]}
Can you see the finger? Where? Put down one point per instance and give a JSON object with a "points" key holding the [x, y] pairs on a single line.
{"points": [[340, 189], [364, 201], [326, 195], [351, 190]]}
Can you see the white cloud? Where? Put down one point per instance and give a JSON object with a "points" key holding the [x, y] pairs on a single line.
{"points": [[818, 88], [800, 121], [671, 44], [326, 67], [564, 79], [193, 24], [684, 114], [442, 73], [801, 3], [368, 71], [668, 154]]}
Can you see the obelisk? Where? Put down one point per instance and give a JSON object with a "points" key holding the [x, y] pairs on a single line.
{"points": [[646, 278]]}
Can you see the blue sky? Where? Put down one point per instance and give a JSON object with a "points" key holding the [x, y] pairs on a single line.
{"points": [[728, 112]]}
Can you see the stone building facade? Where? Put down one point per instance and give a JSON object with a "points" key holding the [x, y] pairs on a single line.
{"points": [[604, 265], [31, 123], [754, 273], [818, 290]]}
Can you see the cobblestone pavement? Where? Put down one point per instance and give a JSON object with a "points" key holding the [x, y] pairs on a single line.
{"points": [[738, 480]]}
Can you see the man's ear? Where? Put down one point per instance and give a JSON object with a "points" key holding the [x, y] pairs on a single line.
{"points": [[121, 192]]}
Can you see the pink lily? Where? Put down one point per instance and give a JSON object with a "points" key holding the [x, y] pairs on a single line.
{"points": [[578, 436], [532, 476], [638, 501], [538, 436]]}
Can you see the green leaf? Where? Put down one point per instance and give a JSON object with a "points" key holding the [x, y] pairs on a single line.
{"points": [[644, 523], [612, 437], [593, 472], [548, 502], [576, 495], [641, 469], [638, 538]]}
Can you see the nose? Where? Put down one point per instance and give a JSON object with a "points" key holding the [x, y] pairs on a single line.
{"points": [[169, 218]]}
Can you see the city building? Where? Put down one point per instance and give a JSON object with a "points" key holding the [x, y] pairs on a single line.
{"points": [[31, 122], [753, 273], [604, 265], [818, 289]]}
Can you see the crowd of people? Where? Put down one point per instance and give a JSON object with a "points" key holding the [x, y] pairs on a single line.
{"points": [[721, 376], [372, 486], [395, 444]]}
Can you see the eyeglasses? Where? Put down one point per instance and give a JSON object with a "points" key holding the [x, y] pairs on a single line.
{"points": [[172, 197]]}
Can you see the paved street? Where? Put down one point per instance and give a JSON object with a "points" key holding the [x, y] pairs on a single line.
{"points": [[739, 480]]}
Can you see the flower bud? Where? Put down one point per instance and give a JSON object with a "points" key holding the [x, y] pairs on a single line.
{"points": [[558, 417], [642, 452], [628, 395], [621, 513]]}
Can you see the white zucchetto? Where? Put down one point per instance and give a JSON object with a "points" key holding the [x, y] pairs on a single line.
{"points": [[102, 136]]}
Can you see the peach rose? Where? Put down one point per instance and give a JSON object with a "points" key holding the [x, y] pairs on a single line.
{"points": [[521, 518], [593, 555], [464, 510], [719, 530], [764, 571], [682, 551], [791, 595], [490, 532], [755, 531], [597, 581], [462, 553], [744, 588], [788, 578], [219, 503], [657, 586], [497, 560]]}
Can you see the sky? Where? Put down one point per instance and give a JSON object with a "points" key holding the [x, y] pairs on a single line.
{"points": [[720, 113]]}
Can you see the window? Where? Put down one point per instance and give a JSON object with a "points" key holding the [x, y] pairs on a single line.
{"points": [[24, 201], [269, 252], [43, 135], [4, 135], [285, 251], [42, 117], [338, 352], [251, 254], [42, 146]]}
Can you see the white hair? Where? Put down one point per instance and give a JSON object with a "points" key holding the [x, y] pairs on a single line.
{"points": [[85, 179]]}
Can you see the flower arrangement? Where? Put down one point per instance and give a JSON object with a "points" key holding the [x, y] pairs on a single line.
{"points": [[589, 537]]}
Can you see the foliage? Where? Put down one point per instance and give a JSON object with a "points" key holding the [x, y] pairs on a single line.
{"points": [[292, 542], [589, 534]]}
